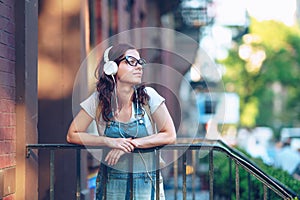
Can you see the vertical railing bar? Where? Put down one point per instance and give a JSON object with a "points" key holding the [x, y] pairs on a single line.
{"points": [[52, 174], [157, 160], [131, 175], [230, 179], [105, 182], [211, 175], [237, 181], [265, 192], [78, 174], [184, 176], [249, 186], [175, 174], [194, 174]]}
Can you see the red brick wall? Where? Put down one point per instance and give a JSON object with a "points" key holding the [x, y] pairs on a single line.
{"points": [[7, 101]]}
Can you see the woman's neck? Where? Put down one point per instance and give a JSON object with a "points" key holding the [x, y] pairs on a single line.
{"points": [[124, 109], [124, 95]]}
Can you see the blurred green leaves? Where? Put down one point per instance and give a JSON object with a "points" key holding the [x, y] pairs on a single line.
{"points": [[263, 68]]}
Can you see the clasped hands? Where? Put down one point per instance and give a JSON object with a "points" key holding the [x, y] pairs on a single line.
{"points": [[119, 146]]}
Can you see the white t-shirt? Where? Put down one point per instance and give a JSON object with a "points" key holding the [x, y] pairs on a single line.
{"points": [[91, 103]]}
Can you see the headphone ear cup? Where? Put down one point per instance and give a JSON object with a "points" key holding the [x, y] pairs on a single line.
{"points": [[110, 68]]}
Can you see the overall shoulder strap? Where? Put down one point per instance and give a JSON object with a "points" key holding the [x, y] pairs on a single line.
{"points": [[162, 163], [147, 109], [98, 111], [97, 117]]}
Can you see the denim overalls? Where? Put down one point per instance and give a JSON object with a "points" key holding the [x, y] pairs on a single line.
{"points": [[114, 182]]}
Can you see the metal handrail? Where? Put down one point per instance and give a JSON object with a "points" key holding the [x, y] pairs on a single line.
{"points": [[251, 167], [217, 145]]}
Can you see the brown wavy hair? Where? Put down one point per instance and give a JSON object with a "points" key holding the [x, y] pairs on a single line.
{"points": [[105, 84]]}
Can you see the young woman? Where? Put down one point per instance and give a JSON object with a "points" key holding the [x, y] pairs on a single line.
{"points": [[119, 107]]}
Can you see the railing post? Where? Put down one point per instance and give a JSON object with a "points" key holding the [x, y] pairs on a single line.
{"points": [[52, 174], [211, 175], [230, 179], [78, 174], [157, 160], [105, 182], [184, 176], [249, 186], [265, 192], [194, 173], [131, 175], [175, 174], [237, 181]]}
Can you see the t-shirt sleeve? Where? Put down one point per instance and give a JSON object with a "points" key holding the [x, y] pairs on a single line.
{"points": [[155, 99], [90, 104]]}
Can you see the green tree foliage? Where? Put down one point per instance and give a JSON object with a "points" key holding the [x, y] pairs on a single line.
{"points": [[264, 69], [249, 186]]}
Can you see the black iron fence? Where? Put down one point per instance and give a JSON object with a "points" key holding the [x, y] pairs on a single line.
{"points": [[196, 170]]}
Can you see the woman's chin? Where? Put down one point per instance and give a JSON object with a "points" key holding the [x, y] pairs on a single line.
{"points": [[136, 82]]}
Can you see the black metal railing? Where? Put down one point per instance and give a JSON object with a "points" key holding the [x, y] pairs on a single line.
{"points": [[190, 152]]}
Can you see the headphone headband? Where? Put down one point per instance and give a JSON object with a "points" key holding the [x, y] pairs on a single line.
{"points": [[110, 67], [106, 59]]}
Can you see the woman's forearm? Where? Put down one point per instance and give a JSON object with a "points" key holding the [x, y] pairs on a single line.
{"points": [[166, 130], [160, 139], [83, 138]]}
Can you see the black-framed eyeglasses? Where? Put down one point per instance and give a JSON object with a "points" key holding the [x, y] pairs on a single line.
{"points": [[133, 61]]}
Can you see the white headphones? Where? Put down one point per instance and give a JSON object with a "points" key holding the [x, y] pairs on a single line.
{"points": [[110, 67]]}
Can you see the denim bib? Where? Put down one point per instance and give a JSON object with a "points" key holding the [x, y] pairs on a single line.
{"points": [[113, 182], [132, 162]]}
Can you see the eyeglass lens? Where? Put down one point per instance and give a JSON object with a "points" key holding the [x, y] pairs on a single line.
{"points": [[133, 61]]}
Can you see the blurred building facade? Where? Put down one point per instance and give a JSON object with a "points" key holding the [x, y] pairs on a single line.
{"points": [[42, 44], [7, 101], [18, 98]]}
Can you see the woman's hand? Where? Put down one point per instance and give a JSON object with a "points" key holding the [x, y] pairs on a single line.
{"points": [[124, 144], [135, 143], [113, 156], [77, 134], [166, 130]]}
